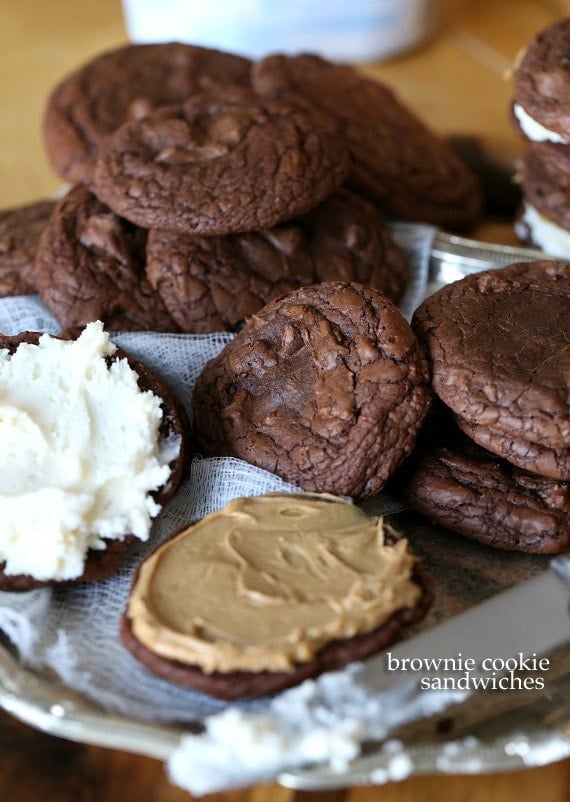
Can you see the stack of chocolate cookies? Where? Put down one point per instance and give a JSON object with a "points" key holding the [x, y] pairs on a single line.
{"points": [[204, 185], [540, 115], [494, 462]]}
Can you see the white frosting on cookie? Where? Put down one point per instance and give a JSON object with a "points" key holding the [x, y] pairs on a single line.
{"points": [[546, 235], [534, 131], [80, 453]]}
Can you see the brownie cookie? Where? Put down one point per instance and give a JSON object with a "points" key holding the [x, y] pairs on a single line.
{"points": [[243, 684], [461, 486], [225, 161], [325, 387], [545, 181], [103, 563], [539, 232], [90, 266], [542, 85], [20, 231], [534, 457], [99, 566], [214, 283], [397, 162], [123, 84], [498, 345], [277, 604]]}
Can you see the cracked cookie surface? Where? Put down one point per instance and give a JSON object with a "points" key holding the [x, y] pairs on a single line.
{"points": [[90, 266], [542, 78], [127, 83], [545, 181], [397, 162], [223, 162], [534, 457], [326, 387], [214, 283]]}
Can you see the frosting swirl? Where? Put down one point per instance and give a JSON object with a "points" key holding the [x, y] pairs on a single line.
{"points": [[268, 581]]}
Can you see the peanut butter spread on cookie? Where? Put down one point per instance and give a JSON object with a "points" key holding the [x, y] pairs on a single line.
{"points": [[268, 581]]}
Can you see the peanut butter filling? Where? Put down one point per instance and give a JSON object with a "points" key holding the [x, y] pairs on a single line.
{"points": [[267, 582]]}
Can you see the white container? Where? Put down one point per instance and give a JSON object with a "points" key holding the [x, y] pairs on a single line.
{"points": [[342, 30]]}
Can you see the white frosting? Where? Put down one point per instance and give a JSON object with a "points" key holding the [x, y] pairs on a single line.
{"points": [[79, 456], [550, 238], [320, 722], [534, 131]]}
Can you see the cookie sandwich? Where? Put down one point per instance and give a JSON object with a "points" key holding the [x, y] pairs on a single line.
{"points": [[541, 86], [326, 387], [541, 99], [215, 283], [543, 220], [123, 84], [20, 232]]}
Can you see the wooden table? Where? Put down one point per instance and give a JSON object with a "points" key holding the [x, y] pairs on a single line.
{"points": [[458, 82]]}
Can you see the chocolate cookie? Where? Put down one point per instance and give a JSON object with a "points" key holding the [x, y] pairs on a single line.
{"points": [[534, 457], [90, 266], [20, 231], [101, 564], [397, 162], [243, 684], [224, 162], [498, 345], [325, 387], [542, 79], [278, 603], [214, 283], [545, 181], [123, 84], [458, 484]]}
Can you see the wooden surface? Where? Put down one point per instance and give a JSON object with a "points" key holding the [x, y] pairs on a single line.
{"points": [[458, 82]]}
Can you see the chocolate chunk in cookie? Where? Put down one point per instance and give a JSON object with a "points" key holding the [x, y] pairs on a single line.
{"points": [[20, 231], [461, 486], [399, 163], [124, 84], [224, 162], [325, 387], [90, 265], [498, 345], [542, 85], [269, 591], [214, 283]]}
